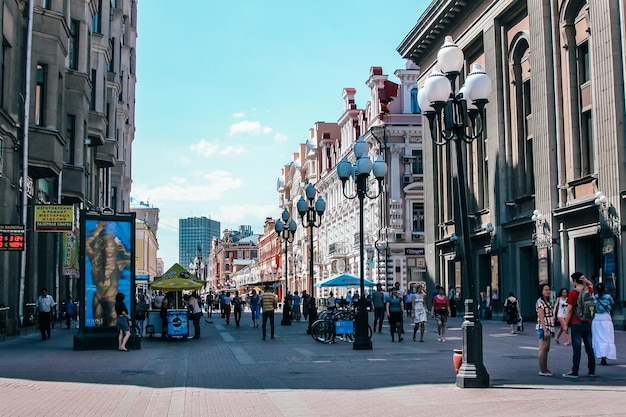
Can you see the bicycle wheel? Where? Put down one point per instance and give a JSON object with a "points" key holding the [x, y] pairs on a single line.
{"points": [[323, 331]]}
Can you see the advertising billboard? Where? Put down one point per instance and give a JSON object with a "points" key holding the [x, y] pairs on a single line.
{"points": [[108, 246]]}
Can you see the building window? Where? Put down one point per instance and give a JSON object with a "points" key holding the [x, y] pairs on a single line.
{"points": [[70, 133], [92, 96], [418, 217], [418, 163], [415, 108], [586, 144], [111, 66], [584, 66], [96, 21], [3, 60], [74, 45], [40, 95], [46, 4], [522, 178]]}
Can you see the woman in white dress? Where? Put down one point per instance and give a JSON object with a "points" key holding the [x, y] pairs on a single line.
{"points": [[560, 311], [602, 326], [420, 312]]}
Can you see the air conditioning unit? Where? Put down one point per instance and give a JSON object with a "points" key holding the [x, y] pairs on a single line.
{"points": [[400, 237], [407, 178], [407, 159]]}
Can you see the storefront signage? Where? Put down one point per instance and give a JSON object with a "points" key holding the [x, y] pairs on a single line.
{"points": [[11, 237], [54, 218], [414, 251]]}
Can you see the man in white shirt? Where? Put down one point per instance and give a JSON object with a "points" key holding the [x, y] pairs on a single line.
{"points": [[45, 306]]}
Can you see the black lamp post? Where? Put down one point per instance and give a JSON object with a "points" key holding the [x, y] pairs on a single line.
{"points": [[313, 213], [460, 118], [286, 229], [199, 263], [360, 173]]}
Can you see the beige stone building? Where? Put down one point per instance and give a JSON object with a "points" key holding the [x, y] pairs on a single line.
{"points": [[81, 123], [549, 172]]}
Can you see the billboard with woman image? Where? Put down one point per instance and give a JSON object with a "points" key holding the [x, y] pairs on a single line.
{"points": [[108, 256]]}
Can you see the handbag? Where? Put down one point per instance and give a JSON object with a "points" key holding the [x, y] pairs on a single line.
{"points": [[520, 324]]}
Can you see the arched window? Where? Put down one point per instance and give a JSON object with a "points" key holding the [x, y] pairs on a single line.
{"points": [[578, 91], [415, 108], [522, 173]]}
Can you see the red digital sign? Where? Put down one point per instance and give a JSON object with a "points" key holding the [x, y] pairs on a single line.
{"points": [[11, 237]]}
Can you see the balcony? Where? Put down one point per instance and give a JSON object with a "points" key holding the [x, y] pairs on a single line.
{"points": [[337, 250], [74, 183], [106, 154], [45, 153]]}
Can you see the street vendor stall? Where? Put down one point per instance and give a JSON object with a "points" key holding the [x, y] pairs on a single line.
{"points": [[176, 279]]}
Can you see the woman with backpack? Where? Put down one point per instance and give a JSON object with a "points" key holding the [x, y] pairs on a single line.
{"points": [[511, 309], [602, 326]]}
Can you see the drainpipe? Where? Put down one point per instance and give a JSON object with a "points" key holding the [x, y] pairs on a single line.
{"points": [[29, 49]]}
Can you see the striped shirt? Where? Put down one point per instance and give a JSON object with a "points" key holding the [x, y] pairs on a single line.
{"points": [[268, 300]]}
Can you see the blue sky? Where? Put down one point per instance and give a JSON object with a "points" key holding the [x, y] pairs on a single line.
{"points": [[227, 90]]}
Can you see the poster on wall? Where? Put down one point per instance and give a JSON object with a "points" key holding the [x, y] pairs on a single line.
{"points": [[109, 254]]}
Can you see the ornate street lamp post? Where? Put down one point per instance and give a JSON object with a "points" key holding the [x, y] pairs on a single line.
{"points": [[458, 119], [360, 173], [286, 229], [313, 213]]}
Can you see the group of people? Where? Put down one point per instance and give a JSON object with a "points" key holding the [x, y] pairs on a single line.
{"points": [[588, 324], [395, 301]]}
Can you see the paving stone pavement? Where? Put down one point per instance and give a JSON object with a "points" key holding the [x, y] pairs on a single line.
{"points": [[230, 371]]}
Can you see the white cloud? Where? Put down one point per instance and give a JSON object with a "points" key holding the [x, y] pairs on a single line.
{"points": [[279, 137], [230, 149], [248, 127], [204, 148], [209, 186], [239, 115]]}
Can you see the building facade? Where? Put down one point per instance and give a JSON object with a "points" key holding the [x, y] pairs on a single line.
{"points": [[393, 221], [549, 172], [228, 255], [195, 235], [80, 119]]}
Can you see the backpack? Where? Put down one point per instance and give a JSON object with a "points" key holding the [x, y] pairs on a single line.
{"points": [[586, 305]]}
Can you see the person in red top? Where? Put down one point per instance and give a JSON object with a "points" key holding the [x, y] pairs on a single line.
{"points": [[441, 310], [580, 330]]}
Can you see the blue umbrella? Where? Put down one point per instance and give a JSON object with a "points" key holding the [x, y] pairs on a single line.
{"points": [[344, 280]]}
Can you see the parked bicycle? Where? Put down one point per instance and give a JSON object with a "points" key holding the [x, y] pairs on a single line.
{"points": [[331, 324]]}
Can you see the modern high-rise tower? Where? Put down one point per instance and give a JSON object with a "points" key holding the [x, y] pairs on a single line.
{"points": [[194, 233]]}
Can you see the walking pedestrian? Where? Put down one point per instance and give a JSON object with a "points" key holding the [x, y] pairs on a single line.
{"points": [[226, 301], [140, 314], [269, 301], [441, 311], [420, 312], [255, 308], [196, 313], [210, 299], [602, 327], [511, 309], [163, 315], [70, 312], [560, 311], [452, 301], [296, 306], [237, 308], [331, 302], [408, 302], [395, 315], [45, 306], [544, 327], [378, 305], [306, 299], [122, 322], [580, 328]]}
